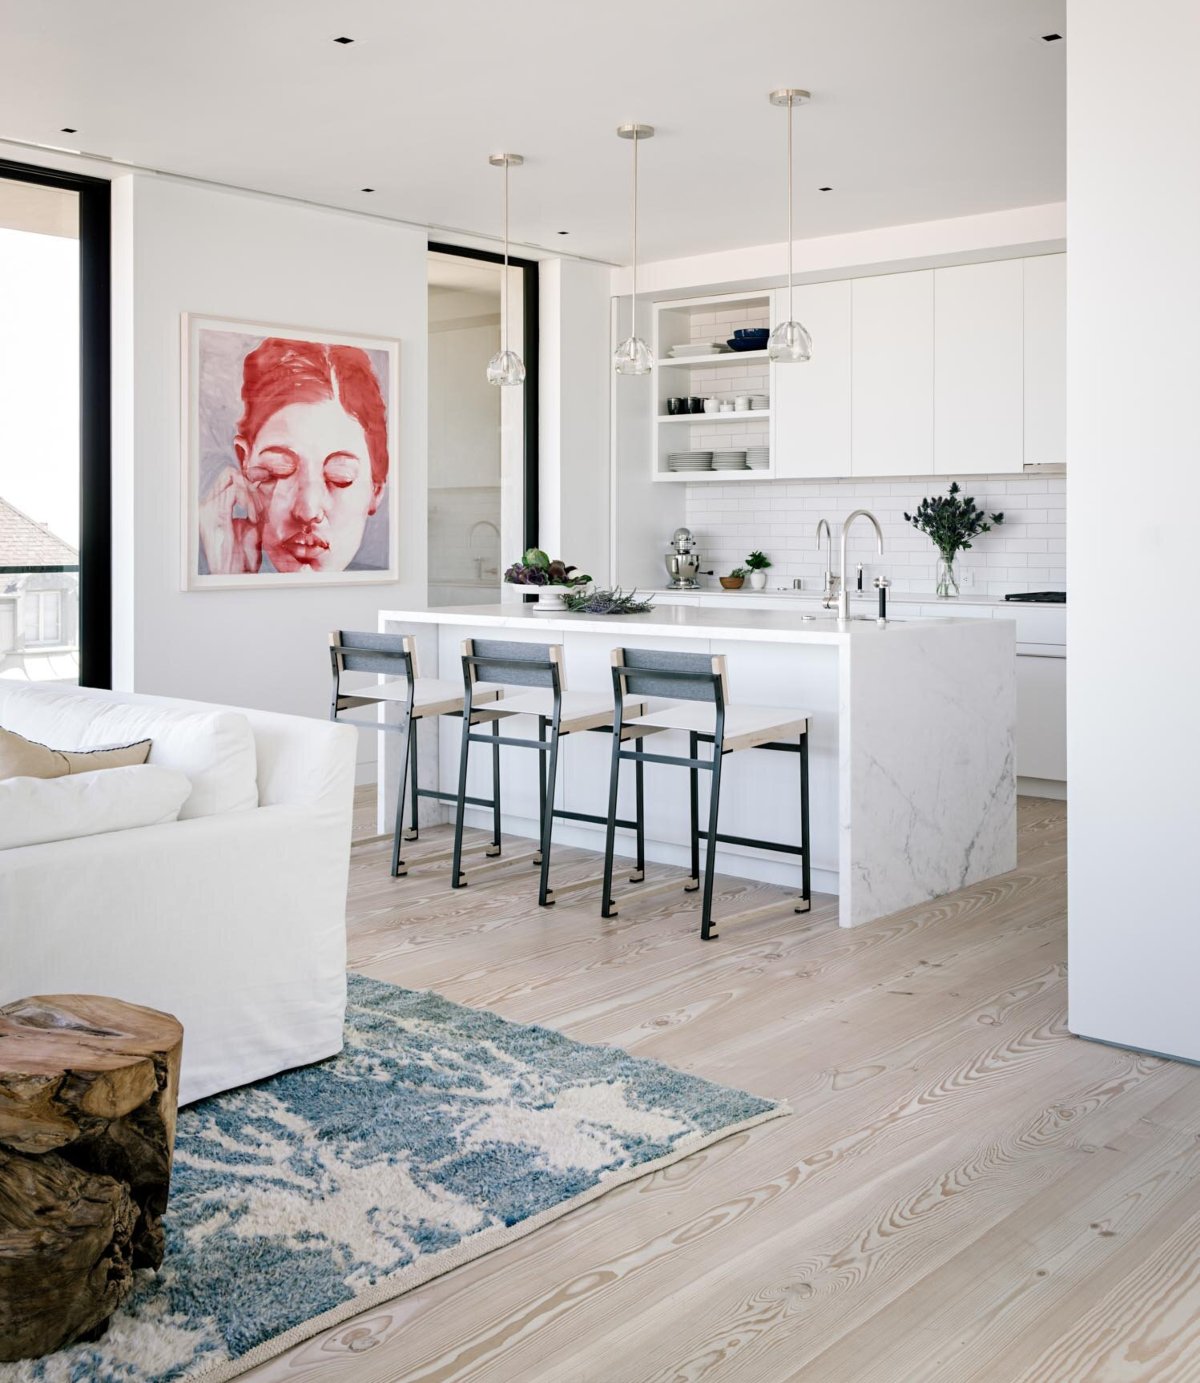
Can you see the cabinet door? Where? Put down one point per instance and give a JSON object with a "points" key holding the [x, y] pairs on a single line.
{"points": [[811, 402], [978, 423], [1046, 359], [892, 370], [1042, 717]]}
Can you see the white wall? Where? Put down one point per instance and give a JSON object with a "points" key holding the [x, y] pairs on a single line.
{"points": [[886, 249], [573, 433], [1134, 446], [182, 248]]}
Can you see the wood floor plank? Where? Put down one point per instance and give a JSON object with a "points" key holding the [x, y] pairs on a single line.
{"points": [[964, 1193]]}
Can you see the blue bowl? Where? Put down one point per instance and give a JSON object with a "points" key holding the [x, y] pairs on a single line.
{"points": [[742, 343], [753, 332]]}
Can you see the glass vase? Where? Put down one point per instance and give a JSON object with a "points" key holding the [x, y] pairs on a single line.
{"points": [[947, 577]]}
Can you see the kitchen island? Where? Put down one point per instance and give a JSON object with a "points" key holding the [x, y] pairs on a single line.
{"points": [[913, 790]]}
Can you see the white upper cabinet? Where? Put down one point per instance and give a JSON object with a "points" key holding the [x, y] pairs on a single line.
{"points": [[892, 374], [1046, 359], [978, 375], [811, 402]]}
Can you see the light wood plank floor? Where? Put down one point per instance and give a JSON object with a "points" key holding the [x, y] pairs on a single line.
{"points": [[964, 1192]]}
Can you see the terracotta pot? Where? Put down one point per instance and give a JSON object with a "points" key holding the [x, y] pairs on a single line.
{"points": [[731, 583]]}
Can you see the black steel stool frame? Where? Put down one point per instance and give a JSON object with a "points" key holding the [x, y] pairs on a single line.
{"points": [[402, 657], [546, 673], [714, 682]]}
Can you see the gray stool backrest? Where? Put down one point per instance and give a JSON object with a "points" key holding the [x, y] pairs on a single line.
{"points": [[543, 660], [361, 651], [649, 661]]}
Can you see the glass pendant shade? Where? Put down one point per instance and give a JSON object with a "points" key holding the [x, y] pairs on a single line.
{"points": [[632, 357], [790, 343], [506, 367]]}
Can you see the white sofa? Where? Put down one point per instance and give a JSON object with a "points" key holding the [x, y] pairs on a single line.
{"points": [[233, 917]]}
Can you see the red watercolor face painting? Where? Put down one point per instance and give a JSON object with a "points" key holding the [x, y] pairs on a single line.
{"points": [[304, 468]]}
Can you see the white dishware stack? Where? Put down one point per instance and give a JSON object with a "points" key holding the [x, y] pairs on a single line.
{"points": [[729, 460], [758, 458], [690, 460]]}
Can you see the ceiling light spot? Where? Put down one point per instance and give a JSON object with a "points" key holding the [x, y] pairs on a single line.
{"points": [[368, 189], [564, 232], [1052, 38], [824, 189], [343, 39], [69, 129]]}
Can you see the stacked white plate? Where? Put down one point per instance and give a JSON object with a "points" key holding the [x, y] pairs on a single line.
{"points": [[700, 348], [729, 461], [758, 458], [689, 460]]}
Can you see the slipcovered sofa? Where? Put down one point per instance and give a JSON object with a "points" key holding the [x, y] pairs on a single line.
{"points": [[233, 917]]}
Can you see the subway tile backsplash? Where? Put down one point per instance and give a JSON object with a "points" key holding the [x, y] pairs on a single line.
{"points": [[1025, 553]]}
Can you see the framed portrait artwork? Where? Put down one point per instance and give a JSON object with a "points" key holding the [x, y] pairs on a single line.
{"points": [[290, 455]]}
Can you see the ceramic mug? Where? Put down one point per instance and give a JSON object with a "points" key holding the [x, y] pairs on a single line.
{"points": [[712, 405], [727, 408], [674, 406]]}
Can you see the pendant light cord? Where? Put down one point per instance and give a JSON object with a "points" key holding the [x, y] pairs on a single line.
{"points": [[791, 199], [504, 284], [633, 296]]}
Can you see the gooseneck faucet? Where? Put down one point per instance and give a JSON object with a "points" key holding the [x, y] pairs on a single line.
{"points": [[844, 594], [824, 524]]}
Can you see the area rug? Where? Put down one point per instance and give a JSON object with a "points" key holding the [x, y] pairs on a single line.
{"points": [[438, 1134]]}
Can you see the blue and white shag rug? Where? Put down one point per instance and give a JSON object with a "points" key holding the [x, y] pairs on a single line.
{"points": [[438, 1134]]}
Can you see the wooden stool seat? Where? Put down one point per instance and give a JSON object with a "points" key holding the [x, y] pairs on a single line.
{"points": [[88, 1091], [746, 727], [580, 710]]}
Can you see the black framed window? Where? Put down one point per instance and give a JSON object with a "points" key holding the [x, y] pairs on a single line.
{"points": [[58, 625]]}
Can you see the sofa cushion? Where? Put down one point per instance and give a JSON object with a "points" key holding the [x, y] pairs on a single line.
{"points": [[22, 758], [214, 749], [34, 811]]}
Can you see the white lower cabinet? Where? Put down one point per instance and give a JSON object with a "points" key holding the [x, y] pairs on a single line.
{"points": [[1042, 717]]}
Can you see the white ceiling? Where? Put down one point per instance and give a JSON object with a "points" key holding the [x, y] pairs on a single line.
{"points": [[922, 108]]}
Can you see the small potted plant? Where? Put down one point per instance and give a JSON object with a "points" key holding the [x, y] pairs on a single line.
{"points": [[733, 582], [758, 562], [551, 579], [950, 522]]}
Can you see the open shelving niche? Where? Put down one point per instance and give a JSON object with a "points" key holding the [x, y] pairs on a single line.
{"points": [[689, 321]]}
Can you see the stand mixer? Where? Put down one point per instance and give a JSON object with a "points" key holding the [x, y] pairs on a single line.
{"points": [[683, 562]]}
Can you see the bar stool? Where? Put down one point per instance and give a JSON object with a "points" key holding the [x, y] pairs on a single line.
{"points": [[510, 663], [394, 656], [697, 684]]}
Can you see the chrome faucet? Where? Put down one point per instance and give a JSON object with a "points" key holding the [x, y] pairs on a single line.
{"points": [[844, 594], [830, 580]]}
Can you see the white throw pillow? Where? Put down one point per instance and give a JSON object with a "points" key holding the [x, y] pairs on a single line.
{"points": [[215, 749], [36, 810]]}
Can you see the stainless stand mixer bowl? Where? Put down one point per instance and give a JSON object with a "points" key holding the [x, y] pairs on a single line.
{"points": [[683, 568]]}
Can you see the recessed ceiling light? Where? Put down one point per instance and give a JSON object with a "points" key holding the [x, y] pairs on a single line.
{"points": [[368, 189], [69, 129], [824, 189], [343, 39], [1052, 38], [564, 232]]}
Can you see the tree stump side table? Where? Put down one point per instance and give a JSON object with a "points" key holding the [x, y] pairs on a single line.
{"points": [[88, 1091]]}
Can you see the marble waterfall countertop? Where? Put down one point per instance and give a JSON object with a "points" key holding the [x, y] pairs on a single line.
{"points": [[911, 727], [683, 621]]}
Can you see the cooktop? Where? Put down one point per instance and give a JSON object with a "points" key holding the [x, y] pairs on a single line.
{"points": [[1040, 597]]}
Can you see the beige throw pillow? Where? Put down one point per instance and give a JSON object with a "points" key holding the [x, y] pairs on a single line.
{"points": [[22, 758]]}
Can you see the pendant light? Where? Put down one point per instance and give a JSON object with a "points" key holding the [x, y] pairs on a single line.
{"points": [[790, 342], [505, 367], [632, 356]]}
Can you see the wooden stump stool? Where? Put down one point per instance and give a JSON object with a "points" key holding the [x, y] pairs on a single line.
{"points": [[88, 1089]]}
